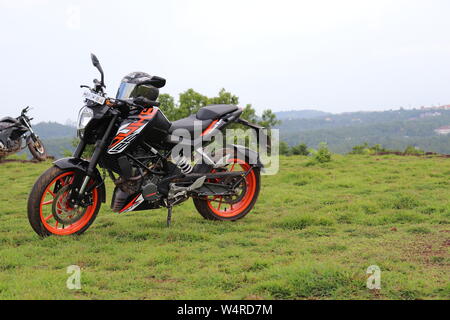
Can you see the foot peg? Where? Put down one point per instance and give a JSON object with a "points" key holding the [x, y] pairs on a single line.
{"points": [[197, 184], [177, 192]]}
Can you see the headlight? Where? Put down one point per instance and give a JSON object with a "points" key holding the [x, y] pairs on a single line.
{"points": [[84, 117]]}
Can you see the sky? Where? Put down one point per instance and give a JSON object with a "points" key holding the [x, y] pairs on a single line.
{"points": [[334, 56]]}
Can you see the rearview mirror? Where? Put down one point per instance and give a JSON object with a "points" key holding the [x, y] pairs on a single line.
{"points": [[155, 81], [96, 64], [95, 61]]}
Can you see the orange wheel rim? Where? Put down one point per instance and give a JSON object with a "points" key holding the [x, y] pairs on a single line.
{"points": [[48, 199], [219, 205]]}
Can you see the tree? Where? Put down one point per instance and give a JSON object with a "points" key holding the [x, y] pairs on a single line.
{"points": [[300, 150], [284, 149], [322, 155], [224, 98], [249, 113], [168, 106], [360, 149], [269, 119], [190, 102], [412, 150]]}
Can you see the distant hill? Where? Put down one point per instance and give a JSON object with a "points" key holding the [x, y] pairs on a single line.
{"points": [[57, 138], [51, 130], [395, 129], [300, 114]]}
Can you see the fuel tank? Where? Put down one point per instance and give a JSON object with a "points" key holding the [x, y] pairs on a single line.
{"points": [[150, 125]]}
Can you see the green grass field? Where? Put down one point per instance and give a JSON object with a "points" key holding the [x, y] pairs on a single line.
{"points": [[313, 234]]}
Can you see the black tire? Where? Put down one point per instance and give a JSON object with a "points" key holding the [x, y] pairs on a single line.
{"points": [[205, 210], [34, 203], [37, 149]]}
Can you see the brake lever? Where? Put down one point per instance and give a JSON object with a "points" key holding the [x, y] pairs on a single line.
{"points": [[85, 87]]}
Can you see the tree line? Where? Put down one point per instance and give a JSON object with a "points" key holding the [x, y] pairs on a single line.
{"points": [[190, 102]]}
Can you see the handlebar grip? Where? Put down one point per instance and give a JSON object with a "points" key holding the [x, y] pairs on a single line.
{"points": [[146, 102]]}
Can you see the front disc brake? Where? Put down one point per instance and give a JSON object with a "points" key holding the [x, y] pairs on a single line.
{"points": [[62, 211]]}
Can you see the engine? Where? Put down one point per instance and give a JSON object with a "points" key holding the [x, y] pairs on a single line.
{"points": [[141, 182]]}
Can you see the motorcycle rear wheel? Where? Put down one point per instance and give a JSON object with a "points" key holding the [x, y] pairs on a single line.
{"points": [[233, 208]]}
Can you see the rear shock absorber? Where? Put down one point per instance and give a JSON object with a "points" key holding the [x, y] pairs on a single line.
{"points": [[184, 165]]}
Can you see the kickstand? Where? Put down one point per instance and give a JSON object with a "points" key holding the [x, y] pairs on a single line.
{"points": [[169, 216]]}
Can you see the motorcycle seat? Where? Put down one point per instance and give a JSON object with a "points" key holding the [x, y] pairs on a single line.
{"points": [[7, 122], [204, 117], [215, 112], [190, 123]]}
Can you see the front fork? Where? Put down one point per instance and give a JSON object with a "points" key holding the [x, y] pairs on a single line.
{"points": [[27, 123], [82, 182]]}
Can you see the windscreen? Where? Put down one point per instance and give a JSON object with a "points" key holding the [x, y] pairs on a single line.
{"points": [[125, 90]]}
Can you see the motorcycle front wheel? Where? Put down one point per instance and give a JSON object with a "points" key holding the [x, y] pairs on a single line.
{"points": [[49, 212], [37, 149]]}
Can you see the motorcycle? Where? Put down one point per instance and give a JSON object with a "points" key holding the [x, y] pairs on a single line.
{"points": [[16, 134], [139, 148]]}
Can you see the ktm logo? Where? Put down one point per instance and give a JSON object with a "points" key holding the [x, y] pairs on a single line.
{"points": [[129, 132]]}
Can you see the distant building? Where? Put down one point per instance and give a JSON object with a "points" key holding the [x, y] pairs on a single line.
{"points": [[444, 107], [430, 114], [443, 131]]}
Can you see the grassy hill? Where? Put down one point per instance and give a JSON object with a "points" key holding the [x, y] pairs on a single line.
{"points": [[312, 235]]}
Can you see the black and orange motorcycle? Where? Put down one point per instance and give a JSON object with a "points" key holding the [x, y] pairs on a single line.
{"points": [[145, 155]]}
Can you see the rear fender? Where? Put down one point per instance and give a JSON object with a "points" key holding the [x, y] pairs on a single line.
{"points": [[81, 166], [246, 153]]}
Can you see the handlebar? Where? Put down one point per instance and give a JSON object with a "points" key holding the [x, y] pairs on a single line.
{"points": [[140, 103], [146, 102]]}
